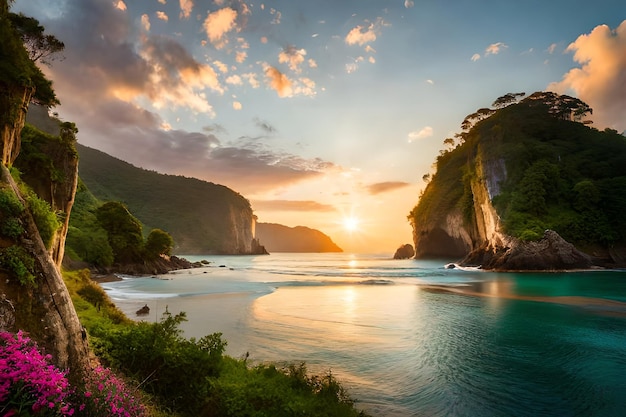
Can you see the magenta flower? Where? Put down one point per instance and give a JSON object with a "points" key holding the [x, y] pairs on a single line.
{"points": [[29, 383]]}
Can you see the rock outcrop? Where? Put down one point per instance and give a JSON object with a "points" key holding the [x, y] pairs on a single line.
{"points": [[519, 171], [404, 252]]}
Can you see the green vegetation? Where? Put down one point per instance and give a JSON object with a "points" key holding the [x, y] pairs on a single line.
{"points": [[197, 214], [560, 174], [19, 262], [155, 355]]}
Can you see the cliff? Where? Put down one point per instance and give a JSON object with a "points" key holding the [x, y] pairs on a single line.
{"points": [[527, 187], [280, 238], [32, 292], [202, 217]]}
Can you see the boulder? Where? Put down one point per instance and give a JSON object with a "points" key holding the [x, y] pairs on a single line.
{"points": [[404, 252]]}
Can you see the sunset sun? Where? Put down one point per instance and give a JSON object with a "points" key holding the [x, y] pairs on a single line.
{"points": [[351, 224]]}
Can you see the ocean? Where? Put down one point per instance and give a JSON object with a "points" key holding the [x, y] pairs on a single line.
{"points": [[412, 337]]}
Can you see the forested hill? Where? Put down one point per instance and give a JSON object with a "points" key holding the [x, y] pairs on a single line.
{"points": [[279, 238], [518, 169], [201, 217]]}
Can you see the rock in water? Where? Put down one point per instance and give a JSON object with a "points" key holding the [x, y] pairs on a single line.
{"points": [[404, 252]]}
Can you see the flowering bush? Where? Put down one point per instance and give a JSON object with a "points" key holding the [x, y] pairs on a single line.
{"points": [[107, 395], [29, 384]]}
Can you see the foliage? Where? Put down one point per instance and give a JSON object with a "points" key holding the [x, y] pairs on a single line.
{"points": [[157, 354], [154, 197], [105, 394], [10, 211], [46, 220], [29, 384], [560, 174], [86, 239], [40, 47], [266, 390], [158, 243], [17, 69], [124, 231], [19, 262]]}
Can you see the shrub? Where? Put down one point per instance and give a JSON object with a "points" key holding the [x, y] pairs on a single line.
{"points": [[29, 384], [10, 210], [107, 395], [46, 220], [15, 259]]}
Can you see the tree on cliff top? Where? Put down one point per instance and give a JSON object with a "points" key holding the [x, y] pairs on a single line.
{"points": [[16, 66], [556, 174]]}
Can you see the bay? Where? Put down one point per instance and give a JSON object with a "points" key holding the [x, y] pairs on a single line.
{"points": [[412, 338]]}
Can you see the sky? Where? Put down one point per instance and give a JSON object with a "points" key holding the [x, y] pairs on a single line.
{"points": [[324, 114]]}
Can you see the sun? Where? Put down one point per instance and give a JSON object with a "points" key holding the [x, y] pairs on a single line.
{"points": [[351, 224]]}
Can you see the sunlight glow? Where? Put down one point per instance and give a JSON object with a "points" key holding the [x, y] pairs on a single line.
{"points": [[351, 224]]}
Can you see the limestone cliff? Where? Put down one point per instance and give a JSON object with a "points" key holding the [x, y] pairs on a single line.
{"points": [[527, 187]]}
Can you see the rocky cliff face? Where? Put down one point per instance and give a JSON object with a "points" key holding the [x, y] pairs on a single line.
{"points": [[44, 308], [13, 108]]}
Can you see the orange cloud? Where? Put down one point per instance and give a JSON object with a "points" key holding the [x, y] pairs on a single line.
{"points": [[120, 5], [383, 187], [495, 48], [293, 57], [422, 134], [186, 6], [600, 81], [161, 15], [145, 22], [359, 35], [278, 81], [218, 23], [291, 205]]}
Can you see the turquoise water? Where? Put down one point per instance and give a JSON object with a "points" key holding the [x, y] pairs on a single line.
{"points": [[404, 349]]}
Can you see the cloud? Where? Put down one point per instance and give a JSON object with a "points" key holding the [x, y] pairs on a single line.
{"points": [[145, 22], [278, 81], [431, 82], [237, 105], [422, 134], [551, 48], [293, 57], [120, 5], [475, 57], [162, 16], [265, 126], [240, 56], [219, 23], [252, 79], [360, 35], [290, 205], [384, 187], [104, 83], [409, 3], [234, 80], [163, 1], [186, 6], [600, 80], [495, 48]]}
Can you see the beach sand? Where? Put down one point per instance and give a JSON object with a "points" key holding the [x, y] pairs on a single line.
{"points": [[206, 314]]}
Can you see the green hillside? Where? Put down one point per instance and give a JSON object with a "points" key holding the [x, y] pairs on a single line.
{"points": [[557, 172], [197, 214]]}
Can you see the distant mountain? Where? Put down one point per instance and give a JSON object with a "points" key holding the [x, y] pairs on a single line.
{"points": [[279, 238], [201, 217]]}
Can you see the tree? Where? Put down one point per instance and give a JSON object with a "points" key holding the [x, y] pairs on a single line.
{"points": [[40, 47], [507, 99], [159, 243], [124, 231]]}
